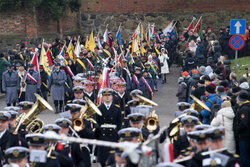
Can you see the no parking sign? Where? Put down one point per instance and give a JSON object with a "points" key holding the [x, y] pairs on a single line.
{"points": [[237, 42]]}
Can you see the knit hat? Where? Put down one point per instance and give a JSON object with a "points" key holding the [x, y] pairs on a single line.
{"points": [[210, 89], [226, 104], [195, 71], [202, 69], [185, 73], [242, 97], [236, 89], [244, 86]]}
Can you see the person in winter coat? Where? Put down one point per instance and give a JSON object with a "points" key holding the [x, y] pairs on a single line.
{"points": [[163, 57], [242, 127], [182, 90], [225, 118], [189, 62], [57, 81]]}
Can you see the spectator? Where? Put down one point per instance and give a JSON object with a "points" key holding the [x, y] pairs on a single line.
{"points": [[182, 90], [225, 118]]}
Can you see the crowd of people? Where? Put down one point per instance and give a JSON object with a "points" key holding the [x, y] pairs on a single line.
{"points": [[118, 85]]}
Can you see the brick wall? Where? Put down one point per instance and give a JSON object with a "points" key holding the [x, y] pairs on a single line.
{"points": [[148, 6]]}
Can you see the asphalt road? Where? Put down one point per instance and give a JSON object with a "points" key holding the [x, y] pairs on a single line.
{"points": [[165, 97]]}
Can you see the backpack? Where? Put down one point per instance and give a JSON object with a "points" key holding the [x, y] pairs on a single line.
{"points": [[214, 108]]}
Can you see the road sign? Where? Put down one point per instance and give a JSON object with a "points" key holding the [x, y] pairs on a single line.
{"points": [[237, 27], [237, 42]]}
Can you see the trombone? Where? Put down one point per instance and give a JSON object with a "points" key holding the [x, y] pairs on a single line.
{"points": [[146, 101]]}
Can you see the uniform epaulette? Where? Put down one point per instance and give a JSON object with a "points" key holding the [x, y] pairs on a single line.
{"points": [[112, 151], [236, 156], [126, 105], [117, 105], [69, 101], [175, 138]]}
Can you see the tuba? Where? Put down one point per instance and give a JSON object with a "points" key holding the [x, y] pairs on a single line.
{"points": [[146, 101], [198, 105], [152, 122], [30, 120], [86, 112]]}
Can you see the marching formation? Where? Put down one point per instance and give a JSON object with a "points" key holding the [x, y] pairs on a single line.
{"points": [[102, 88]]}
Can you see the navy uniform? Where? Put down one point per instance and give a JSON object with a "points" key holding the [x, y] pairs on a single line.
{"points": [[182, 142], [73, 150], [126, 134], [57, 81], [38, 140], [181, 107], [7, 139], [16, 155], [215, 134], [198, 137], [134, 83], [93, 94], [87, 131], [11, 85], [33, 84], [191, 112], [109, 124]]}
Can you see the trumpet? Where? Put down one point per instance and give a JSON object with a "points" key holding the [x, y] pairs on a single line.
{"points": [[152, 122], [86, 112]]}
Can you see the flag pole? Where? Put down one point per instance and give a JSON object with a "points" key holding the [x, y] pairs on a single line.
{"points": [[197, 24], [118, 29]]}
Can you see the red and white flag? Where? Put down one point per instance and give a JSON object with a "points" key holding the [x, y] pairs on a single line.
{"points": [[148, 86], [198, 25], [105, 37], [168, 152], [35, 62], [31, 78]]}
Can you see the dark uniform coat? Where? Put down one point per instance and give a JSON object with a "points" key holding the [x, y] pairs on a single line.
{"points": [[144, 88], [57, 81], [32, 87], [111, 116], [180, 144], [11, 85], [79, 67]]}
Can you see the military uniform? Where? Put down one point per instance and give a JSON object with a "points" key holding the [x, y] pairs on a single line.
{"points": [[81, 65], [181, 47], [147, 92], [182, 142], [57, 81], [11, 85], [79, 155], [32, 86], [7, 139], [109, 124], [16, 154]]}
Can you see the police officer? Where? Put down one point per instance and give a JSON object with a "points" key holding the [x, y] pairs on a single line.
{"points": [[109, 123], [57, 81], [10, 85], [79, 155], [17, 156], [32, 80]]}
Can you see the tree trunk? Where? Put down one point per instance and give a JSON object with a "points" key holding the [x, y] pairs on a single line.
{"points": [[59, 28]]}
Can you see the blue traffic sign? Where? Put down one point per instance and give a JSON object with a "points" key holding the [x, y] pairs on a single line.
{"points": [[237, 42], [237, 27]]}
